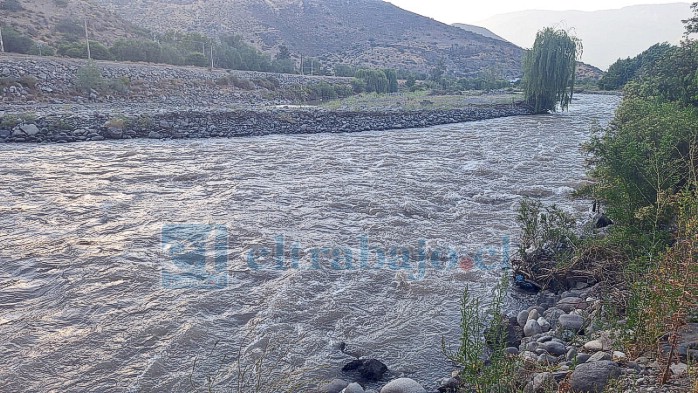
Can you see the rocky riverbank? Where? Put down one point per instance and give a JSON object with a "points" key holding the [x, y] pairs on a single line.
{"points": [[205, 123], [45, 101]]}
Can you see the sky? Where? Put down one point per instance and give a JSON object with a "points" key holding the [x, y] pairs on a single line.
{"points": [[459, 11]]}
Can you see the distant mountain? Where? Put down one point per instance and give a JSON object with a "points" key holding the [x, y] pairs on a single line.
{"points": [[359, 32], [478, 30], [606, 35]]}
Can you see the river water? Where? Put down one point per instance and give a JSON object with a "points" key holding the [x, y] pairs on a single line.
{"points": [[292, 230]]}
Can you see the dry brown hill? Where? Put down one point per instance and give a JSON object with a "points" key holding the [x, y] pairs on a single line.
{"points": [[360, 32], [48, 21]]}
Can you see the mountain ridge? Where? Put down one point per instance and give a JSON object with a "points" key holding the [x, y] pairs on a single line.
{"points": [[370, 33]]}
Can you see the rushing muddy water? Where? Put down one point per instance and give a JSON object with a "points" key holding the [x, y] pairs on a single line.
{"points": [[83, 303]]}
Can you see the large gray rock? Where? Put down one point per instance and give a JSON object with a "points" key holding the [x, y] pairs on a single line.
{"points": [[571, 322], [554, 348], [522, 317], [571, 303], [593, 377], [29, 129], [541, 383], [403, 385], [599, 356], [532, 328]]}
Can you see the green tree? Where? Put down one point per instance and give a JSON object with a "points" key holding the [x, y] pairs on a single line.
{"points": [[692, 23], [15, 41], [549, 70], [284, 53], [392, 80], [374, 81]]}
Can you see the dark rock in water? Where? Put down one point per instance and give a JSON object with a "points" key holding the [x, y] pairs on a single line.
{"points": [[369, 369], [525, 285], [601, 221]]}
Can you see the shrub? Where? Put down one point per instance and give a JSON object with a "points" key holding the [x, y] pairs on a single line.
{"points": [[196, 59], [71, 27], [78, 50], [484, 369], [15, 41], [90, 77]]}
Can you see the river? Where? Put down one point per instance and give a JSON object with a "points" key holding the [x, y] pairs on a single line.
{"points": [[292, 229]]}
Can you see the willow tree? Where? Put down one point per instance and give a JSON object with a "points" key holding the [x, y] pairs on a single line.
{"points": [[549, 70]]}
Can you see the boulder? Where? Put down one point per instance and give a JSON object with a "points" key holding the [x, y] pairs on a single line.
{"points": [[571, 303], [532, 328], [522, 317], [601, 344], [403, 385], [541, 383], [554, 348], [336, 386], [369, 369], [593, 377], [571, 322], [599, 356], [29, 129]]}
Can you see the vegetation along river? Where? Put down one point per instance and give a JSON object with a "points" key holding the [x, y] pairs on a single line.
{"points": [[293, 228]]}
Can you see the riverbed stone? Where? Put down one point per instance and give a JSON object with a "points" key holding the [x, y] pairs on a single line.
{"points": [[541, 383], [592, 377], [403, 385], [554, 348], [544, 324], [571, 322], [533, 314], [599, 356], [600, 344], [571, 303], [532, 328], [522, 317], [29, 129]]}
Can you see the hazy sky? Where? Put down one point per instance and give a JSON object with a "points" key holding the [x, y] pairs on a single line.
{"points": [[454, 11]]}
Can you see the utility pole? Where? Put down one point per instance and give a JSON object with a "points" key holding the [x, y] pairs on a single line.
{"points": [[2, 44], [87, 40]]}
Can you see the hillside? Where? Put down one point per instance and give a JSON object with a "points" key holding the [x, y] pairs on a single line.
{"points": [[606, 35], [478, 30], [50, 21], [358, 32]]}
